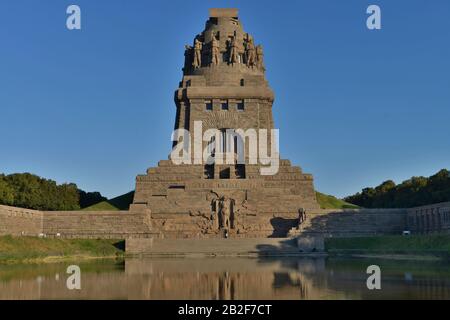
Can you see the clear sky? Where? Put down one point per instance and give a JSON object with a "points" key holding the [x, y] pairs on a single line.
{"points": [[354, 107]]}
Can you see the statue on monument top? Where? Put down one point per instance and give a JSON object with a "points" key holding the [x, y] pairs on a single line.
{"points": [[260, 56], [197, 54], [215, 51], [251, 55], [234, 51]]}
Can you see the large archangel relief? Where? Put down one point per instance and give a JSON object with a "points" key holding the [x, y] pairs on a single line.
{"points": [[227, 214]]}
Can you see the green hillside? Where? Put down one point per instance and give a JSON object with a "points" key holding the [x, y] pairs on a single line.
{"points": [[331, 202], [118, 203]]}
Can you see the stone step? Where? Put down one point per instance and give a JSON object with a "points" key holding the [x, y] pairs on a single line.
{"points": [[213, 246]]}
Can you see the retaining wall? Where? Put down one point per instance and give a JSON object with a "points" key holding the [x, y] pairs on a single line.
{"points": [[355, 222], [433, 218], [138, 224], [18, 221]]}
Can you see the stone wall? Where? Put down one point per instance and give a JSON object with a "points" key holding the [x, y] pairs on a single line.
{"points": [[18, 221], [319, 222], [430, 219], [354, 222], [74, 224], [96, 224], [142, 224]]}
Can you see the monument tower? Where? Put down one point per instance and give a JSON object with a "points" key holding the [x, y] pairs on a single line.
{"points": [[224, 87]]}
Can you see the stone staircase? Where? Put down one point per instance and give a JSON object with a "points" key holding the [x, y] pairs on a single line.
{"points": [[213, 247], [354, 222]]}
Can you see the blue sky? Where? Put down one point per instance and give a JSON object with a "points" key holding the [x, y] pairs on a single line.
{"points": [[354, 107]]}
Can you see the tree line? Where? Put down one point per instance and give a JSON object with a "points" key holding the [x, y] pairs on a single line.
{"points": [[26, 190], [416, 191]]}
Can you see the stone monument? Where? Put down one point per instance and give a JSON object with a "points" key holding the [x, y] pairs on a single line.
{"points": [[223, 86]]}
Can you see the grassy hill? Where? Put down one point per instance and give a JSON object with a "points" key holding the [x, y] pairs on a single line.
{"points": [[118, 203], [123, 202], [331, 202]]}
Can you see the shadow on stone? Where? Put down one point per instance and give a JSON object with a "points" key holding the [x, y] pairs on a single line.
{"points": [[281, 226], [355, 222], [285, 247]]}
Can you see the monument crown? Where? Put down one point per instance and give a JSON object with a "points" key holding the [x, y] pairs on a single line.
{"points": [[223, 12], [223, 42]]}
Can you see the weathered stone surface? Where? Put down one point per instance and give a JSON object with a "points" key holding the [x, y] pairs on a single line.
{"points": [[257, 247], [17, 221], [74, 224], [429, 219], [354, 222], [97, 224], [141, 223]]}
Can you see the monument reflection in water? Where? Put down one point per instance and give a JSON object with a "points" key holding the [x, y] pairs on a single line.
{"points": [[228, 278]]}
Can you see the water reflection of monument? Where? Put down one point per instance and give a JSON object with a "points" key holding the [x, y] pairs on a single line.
{"points": [[227, 279], [221, 278]]}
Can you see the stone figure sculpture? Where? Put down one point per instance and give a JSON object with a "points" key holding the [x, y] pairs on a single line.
{"points": [[259, 56], [215, 51], [197, 54], [251, 55], [225, 213], [301, 216], [215, 213], [234, 51]]}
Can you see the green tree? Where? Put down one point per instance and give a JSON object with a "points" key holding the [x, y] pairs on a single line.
{"points": [[415, 191], [6, 192], [33, 192]]}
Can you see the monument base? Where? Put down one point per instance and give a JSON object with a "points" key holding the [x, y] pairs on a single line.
{"points": [[196, 201]]}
